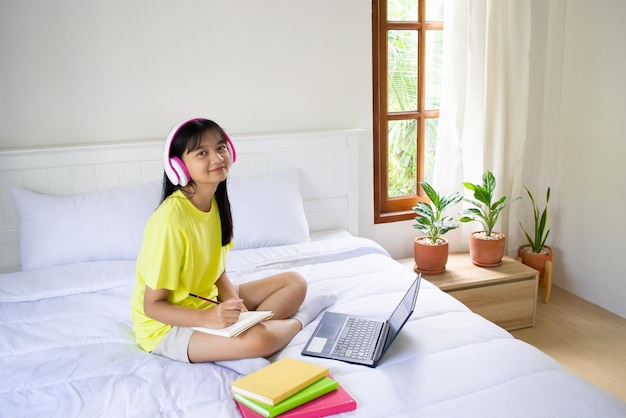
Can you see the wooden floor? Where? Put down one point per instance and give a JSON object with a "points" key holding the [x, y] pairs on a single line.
{"points": [[583, 338]]}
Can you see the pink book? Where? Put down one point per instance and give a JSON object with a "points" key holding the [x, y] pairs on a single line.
{"points": [[332, 403]]}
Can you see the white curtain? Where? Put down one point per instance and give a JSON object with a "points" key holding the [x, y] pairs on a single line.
{"points": [[491, 65]]}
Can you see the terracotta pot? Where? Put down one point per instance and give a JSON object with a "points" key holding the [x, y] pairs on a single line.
{"points": [[534, 260], [487, 252], [430, 259], [543, 264]]}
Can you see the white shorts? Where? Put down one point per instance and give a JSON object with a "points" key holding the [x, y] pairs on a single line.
{"points": [[174, 345]]}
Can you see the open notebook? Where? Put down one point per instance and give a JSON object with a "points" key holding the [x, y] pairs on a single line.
{"points": [[246, 320]]}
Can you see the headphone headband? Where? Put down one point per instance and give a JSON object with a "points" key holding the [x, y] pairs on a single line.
{"points": [[175, 169]]}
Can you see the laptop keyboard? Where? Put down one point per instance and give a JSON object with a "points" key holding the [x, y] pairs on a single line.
{"points": [[356, 340]]}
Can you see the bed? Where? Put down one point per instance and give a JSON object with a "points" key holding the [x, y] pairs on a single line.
{"points": [[71, 225]]}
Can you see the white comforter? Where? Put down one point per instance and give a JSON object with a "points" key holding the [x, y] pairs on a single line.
{"points": [[67, 349]]}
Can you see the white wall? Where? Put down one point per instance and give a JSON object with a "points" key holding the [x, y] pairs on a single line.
{"points": [[76, 71], [592, 154]]}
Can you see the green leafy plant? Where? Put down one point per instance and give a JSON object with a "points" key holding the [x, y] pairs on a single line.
{"points": [[485, 210], [538, 241], [430, 220]]}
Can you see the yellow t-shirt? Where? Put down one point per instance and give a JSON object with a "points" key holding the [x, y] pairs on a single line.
{"points": [[181, 251]]}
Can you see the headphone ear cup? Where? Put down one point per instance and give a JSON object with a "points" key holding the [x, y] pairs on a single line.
{"points": [[175, 169], [231, 148], [180, 170]]}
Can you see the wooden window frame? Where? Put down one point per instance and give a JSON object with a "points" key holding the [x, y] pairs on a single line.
{"points": [[394, 209]]}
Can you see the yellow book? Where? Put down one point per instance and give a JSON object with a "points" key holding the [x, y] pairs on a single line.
{"points": [[278, 381]]}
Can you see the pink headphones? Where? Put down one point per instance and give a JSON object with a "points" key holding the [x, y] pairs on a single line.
{"points": [[175, 169]]}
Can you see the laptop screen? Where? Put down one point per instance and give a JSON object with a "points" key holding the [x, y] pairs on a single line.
{"points": [[401, 314]]}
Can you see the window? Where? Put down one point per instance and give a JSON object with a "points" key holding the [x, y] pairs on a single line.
{"points": [[407, 53]]}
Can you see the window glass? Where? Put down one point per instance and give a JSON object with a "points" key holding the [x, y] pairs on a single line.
{"points": [[402, 10], [430, 140], [402, 70], [434, 10], [402, 167], [434, 54]]}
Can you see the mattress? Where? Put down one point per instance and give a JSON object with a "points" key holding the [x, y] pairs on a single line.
{"points": [[67, 347]]}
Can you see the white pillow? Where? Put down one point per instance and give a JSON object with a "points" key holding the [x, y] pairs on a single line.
{"points": [[267, 211], [105, 225]]}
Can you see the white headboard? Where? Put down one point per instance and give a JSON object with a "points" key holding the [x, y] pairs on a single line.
{"points": [[327, 161]]}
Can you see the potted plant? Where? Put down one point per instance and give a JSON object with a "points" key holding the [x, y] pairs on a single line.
{"points": [[536, 253], [430, 251], [486, 246]]}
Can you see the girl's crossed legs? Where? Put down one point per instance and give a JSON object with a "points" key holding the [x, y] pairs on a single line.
{"points": [[283, 294]]}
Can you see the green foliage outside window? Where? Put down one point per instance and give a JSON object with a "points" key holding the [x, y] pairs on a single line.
{"points": [[402, 96]]}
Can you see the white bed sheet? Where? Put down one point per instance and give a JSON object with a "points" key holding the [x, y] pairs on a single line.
{"points": [[67, 349]]}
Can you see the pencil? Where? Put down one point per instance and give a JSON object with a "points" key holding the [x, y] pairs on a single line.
{"points": [[207, 299]]}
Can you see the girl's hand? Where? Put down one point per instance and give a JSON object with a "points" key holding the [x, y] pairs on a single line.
{"points": [[225, 314]]}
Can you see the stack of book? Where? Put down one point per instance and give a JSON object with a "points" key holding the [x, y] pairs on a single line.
{"points": [[290, 388]]}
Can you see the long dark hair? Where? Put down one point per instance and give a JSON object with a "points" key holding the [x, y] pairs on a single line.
{"points": [[188, 139]]}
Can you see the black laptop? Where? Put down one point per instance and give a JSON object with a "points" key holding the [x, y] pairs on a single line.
{"points": [[360, 340]]}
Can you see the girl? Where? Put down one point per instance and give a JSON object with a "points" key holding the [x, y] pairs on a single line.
{"points": [[185, 244]]}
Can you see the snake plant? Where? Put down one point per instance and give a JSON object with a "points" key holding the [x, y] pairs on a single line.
{"points": [[539, 239]]}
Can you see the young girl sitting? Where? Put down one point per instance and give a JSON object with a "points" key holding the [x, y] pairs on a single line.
{"points": [[184, 251]]}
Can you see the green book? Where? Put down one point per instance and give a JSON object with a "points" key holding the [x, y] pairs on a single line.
{"points": [[314, 391]]}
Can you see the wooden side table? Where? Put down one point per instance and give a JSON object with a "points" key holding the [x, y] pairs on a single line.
{"points": [[505, 295]]}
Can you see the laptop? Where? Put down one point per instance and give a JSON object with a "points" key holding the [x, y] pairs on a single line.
{"points": [[355, 339]]}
